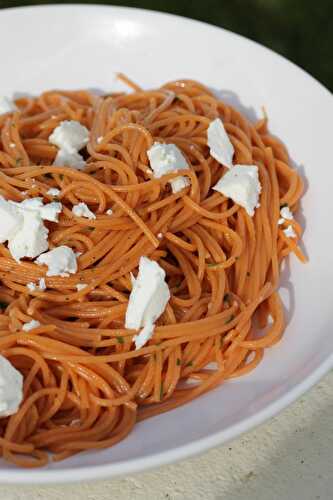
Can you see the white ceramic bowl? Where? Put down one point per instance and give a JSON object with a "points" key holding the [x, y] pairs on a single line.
{"points": [[83, 46]]}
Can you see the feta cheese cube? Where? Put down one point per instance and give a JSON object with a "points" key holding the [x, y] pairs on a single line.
{"points": [[31, 325], [219, 143], [11, 388], [241, 184], [149, 296], [61, 261], [31, 239], [69, 159], [165, 159], [70, 136], [82, 210], [290, 232], [145, 334], [53, 192], [10, 220]]}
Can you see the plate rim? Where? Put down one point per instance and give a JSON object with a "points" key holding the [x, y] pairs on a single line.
{"points": [[176, 454]]}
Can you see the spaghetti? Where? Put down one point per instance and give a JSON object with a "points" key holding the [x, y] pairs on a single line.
{"points": [[85, 385]]}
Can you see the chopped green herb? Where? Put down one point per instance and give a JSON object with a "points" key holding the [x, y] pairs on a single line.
{"points": [[284, 205], [120, 339], [236, 258], [229, 319], [18, 162], [61, 176], [189, 363], [211, 266], [178, 362], [161, 391], [3, 305], [248, 274], [178, 283]]}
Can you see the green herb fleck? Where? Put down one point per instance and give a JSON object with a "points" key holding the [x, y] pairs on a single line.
{"points": [[61, 177], [178, 362], [161, 391], [189, 363], [3, 305], [120, 339], [18, 162], [229, 319], [211, 266], [236, 258], [284, 205]]}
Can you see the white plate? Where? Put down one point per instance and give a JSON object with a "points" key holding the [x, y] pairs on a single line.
{"points": [[83, 46]]}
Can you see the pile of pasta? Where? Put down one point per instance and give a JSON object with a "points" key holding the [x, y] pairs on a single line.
{"points": [[85, 384]]}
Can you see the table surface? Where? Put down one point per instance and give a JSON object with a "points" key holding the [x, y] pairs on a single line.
{"points": [[290, 457]]}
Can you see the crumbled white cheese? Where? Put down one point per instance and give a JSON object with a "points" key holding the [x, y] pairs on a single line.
{"points": [[42, 284], [160, 236], [81, 286], [21, 224], [149, 296], [241, 184], [61, 261], [145, 334], [12, 145], [219, 143], [11, 388], [82, 210], [165, 159], [32, 287], [70, 136], [69, 159], [7, 106], [31, 239], [31, 325], [289, 232], [78, 254], [10, 220], [53, 192], [109, 211], [286, 214], [99, 139], [179, 183]]}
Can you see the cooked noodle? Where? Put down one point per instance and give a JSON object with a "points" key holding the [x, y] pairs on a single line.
{"points": [[85, 385]]}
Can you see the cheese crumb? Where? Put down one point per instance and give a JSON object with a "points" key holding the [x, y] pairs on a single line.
{"points": [[61, 261], [289, 232], [165, 159], [67, 159], [32, 287], [241, 184], [53, 192], [7, 106], [31, 325], [148, 299], [99, 139], [70, 136], [81, 286], [82, 210], [219, 143], [286, 214], [145, 335], [109, 211], [11, 388]]}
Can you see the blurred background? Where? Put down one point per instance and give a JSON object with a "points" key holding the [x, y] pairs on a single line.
{"points": [[301, 30]]}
